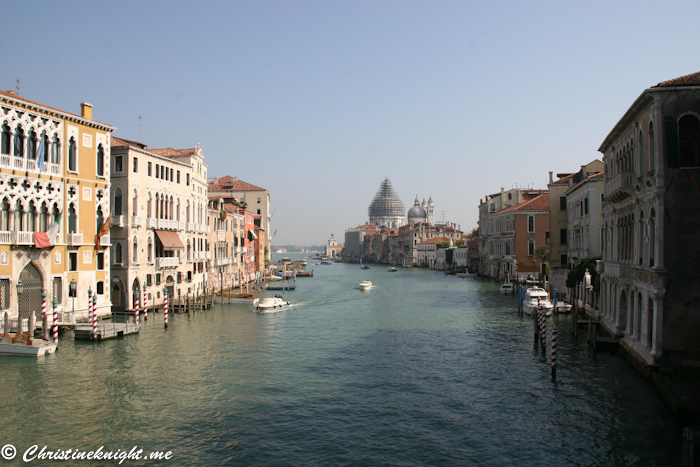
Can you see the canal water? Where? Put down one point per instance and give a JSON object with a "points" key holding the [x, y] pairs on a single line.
{"points": [[423, 369]]}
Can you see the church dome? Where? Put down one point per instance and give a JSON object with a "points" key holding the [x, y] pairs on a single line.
{"points": [[417, 213], [386, 203]]}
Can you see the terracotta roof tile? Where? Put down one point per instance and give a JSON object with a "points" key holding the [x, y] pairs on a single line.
{"points": [[14, 95], [564, 179], [541, 203], [119, 142], [692, 79], [231, 184], [435, 240], [170, 152], [598, 175]]}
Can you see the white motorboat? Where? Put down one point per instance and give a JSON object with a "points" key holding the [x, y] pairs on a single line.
{"points": [[269, 304], [366, 285], [507, 288], [535, 297], [20, 345], [391, 269], [563, 307]]}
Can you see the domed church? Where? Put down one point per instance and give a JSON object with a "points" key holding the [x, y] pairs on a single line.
{"points": [[386, 209], [421, 212]]}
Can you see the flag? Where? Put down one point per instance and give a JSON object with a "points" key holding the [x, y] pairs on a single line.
{"points": [[103, 231], [40, 154], [47, 239]]}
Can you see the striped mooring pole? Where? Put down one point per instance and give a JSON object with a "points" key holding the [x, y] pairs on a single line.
{"points": [[543, 325], [43, 305], [145, 305], [54, 304], [136, 307], [94, 314], [554, 351], [165, 310], [90, 317]]}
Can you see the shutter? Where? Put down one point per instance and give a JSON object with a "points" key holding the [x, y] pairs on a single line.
{"points": [[671, 135]]}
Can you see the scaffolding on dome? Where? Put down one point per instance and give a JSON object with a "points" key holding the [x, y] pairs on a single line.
{"points": [[386, 203]]}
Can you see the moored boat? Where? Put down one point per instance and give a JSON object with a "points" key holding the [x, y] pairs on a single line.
{"points": [[391, 269], [535, 297], [507, 288], [234, 298]]}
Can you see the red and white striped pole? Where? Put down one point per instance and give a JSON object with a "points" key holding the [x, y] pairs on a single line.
{"points": [[91, 317], [543, 325], [145, 305], [165, 310], [136, 307], [554, 351], [43, 305], [94, 314], [54, 302]]}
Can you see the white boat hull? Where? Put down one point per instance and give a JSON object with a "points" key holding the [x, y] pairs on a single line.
{"points": [[38, 348], [233, 299]]}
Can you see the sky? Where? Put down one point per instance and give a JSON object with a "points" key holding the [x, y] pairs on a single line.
{"points": [[319, 101]]}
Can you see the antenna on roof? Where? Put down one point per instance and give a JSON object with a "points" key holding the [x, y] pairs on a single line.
{"points": [[17, 87]]}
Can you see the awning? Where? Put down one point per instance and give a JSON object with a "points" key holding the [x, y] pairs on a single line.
{"points": [[170, 240], [251, 235]]}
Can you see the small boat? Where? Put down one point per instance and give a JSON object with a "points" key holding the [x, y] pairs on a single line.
{"points": [[364, 266], [276, 277], [234, 298], [305, 273], [391, 269], [563, 307], [269, 304], [366, 285], [34, 347], [535, 297], [463, 274], [325, 261], [281, 287], [507, 288]]}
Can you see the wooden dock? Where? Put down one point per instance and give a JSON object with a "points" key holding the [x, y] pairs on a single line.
{"points": [[104, 331]]}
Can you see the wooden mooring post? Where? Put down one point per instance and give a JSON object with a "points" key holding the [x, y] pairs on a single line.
{"points": [[687, 448]]}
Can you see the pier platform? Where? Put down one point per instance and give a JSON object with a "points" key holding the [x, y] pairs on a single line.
{"points": [[104, 331]]}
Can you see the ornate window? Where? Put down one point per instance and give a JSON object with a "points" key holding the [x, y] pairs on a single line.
{"points": [[100, 161], [72, 219], [5, 139], [652, 149], [55, 150], [19, 142], [31, 145], [72, 155]]}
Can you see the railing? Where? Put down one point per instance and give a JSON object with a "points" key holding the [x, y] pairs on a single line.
{"points": [[23, 238], [136, 221], [5, 236], [117, 221], [74, 239], [28, 165], [190, 226], [223, 261], [180, 225], [221, 235], [152, 222], [171, 262]]}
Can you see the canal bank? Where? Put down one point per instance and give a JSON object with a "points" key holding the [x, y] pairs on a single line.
{"points": [[423, 369]]}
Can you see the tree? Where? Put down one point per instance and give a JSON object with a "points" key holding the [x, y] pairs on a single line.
{"points": [[542, 254]]}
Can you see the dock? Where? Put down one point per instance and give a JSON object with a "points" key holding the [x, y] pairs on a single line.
{"points": [[105, 331]]}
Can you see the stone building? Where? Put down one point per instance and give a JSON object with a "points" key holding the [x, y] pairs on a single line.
{"points": [[54, 177], [159, 223], [649, 287], [386, 209]]}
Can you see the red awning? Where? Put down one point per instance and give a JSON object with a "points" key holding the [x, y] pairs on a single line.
{"points": [[170, 240]]}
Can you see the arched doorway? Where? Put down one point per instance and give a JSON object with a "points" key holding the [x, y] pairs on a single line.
{"points": [[33, 285], [116, 295], [622, 312]]}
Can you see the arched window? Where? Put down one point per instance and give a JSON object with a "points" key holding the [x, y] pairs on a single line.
{"points": [[100, 161], [44, 218], [19, 142], [31, 145], [149, 251], [148, 205], [177, 210], [72, 219], [45, 153], [5, 140], [530, 224], [135, 251], [19, 216], [5, 215], [31, 217], [55, 150], [652, 148], [135, 204], [187, 212], [689, 141], [638, 318], [100, 220], [650, 323], [72, 155], [531, 248]]}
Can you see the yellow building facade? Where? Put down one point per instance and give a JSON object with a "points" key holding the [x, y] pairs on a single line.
{"points": [[54, 199]]}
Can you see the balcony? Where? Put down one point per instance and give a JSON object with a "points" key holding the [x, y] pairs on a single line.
{"points": [[117, 221], [23, 238], [74, 239], [190, 226], [221, 235], [180, 225], [5, 236], [152, 222], [136, 221], [223, 261], [171, 262], [28, 165], [620, 187]]}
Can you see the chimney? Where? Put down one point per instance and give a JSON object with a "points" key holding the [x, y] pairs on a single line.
{"points": [[235, 179], [86, 110], [550, 177]]}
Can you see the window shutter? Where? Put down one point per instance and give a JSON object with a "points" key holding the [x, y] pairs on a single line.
{"points": [[671, 135]]}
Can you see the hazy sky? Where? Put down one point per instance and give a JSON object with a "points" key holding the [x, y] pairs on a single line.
{"points": [[319, 101]]}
